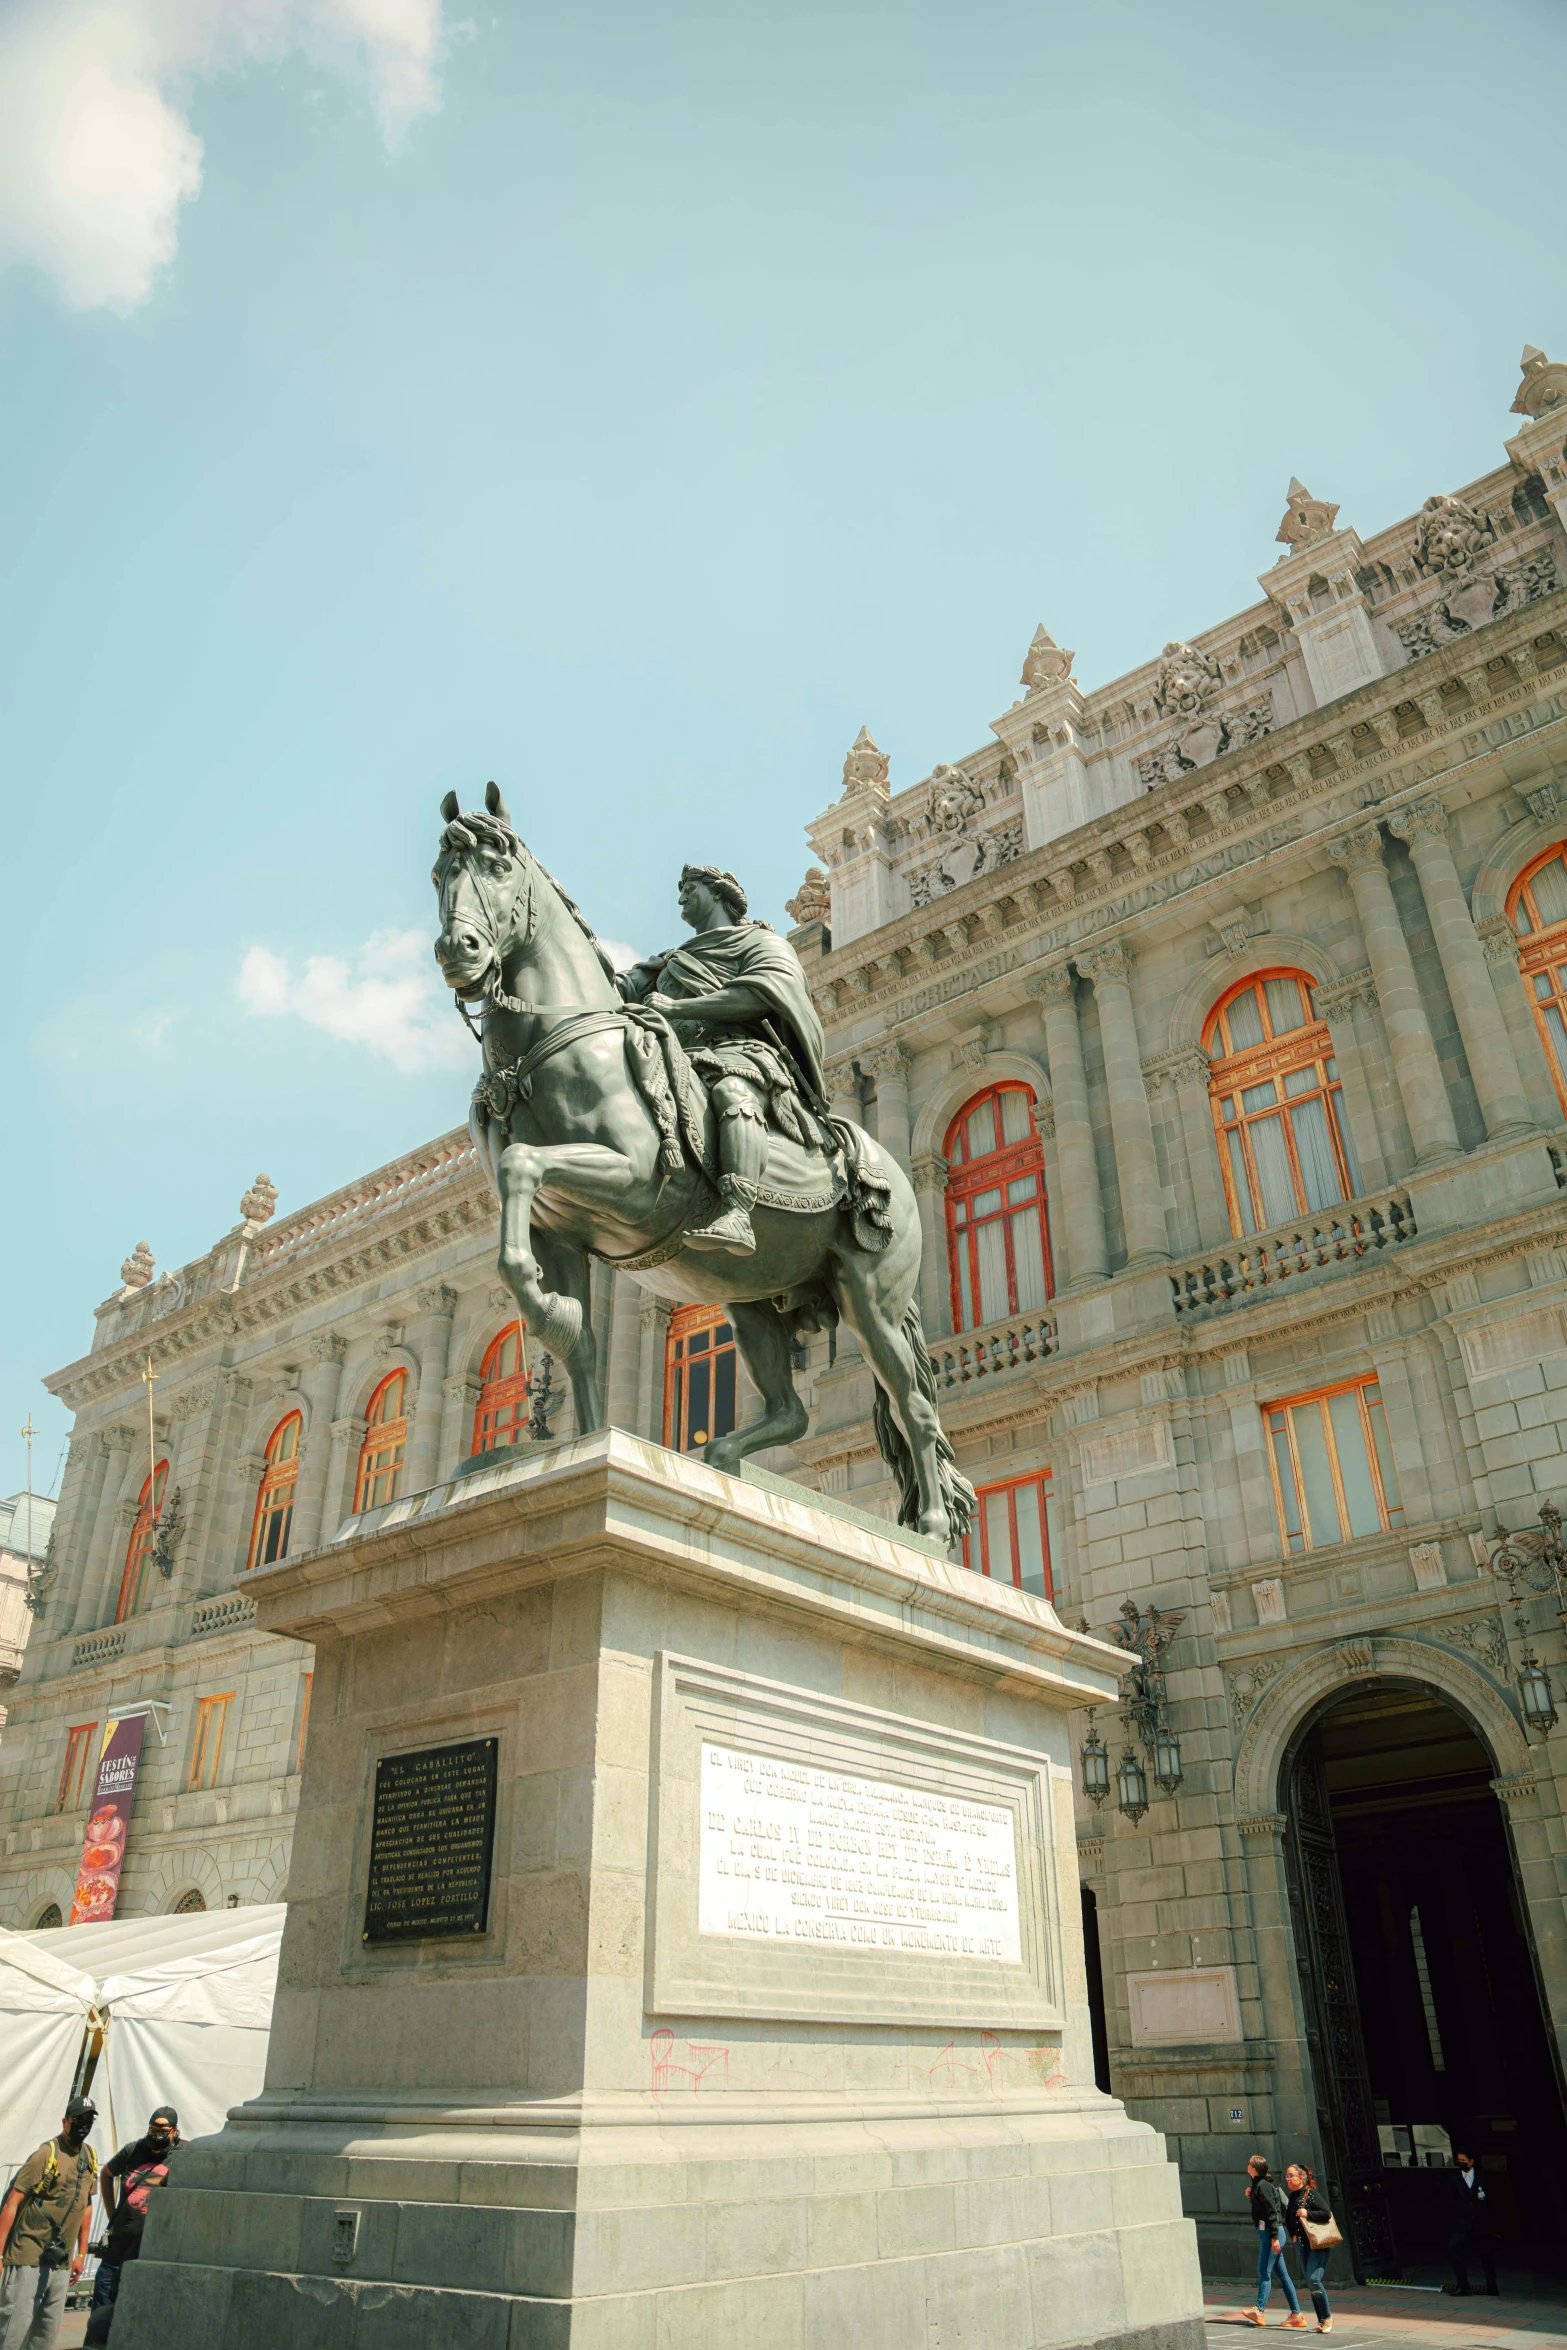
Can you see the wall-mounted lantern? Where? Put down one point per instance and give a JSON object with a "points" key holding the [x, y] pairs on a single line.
{"points": [[1096, 1765], [1166, 1759], [1535, 1694], [1131, 1783]]}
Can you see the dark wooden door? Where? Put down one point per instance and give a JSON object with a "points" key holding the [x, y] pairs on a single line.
{"points": [[1346, 2116]]}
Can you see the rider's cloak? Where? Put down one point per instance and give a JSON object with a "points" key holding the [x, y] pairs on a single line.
{"points": [[747, 954]]}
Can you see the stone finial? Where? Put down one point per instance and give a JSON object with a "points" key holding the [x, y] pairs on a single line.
{"points": [[1046, 662], [866, 768], [812, 902], [259, 1204], [1544, 384], [136, 1271], [1306, 519]]}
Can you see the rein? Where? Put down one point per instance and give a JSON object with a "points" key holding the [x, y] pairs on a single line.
{"points": [[495, 991], [499, 1090]]}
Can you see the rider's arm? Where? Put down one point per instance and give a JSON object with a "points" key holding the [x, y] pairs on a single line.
{"points": [[725, 1003], [8, 2211]]}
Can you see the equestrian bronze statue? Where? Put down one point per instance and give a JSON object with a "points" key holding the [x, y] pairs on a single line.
{"points": [[672, 1120]]}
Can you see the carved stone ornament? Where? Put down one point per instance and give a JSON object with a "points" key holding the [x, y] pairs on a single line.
{"points": [[137, 1269], [1246, 1684], [1544, 384], [259, 1204], [1307, 520], [951, 818], [1046, 663], [866, 770], [1485, 1640], [812, 902], [1456, 547], [1184, 693]]}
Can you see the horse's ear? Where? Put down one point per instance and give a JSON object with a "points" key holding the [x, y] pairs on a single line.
{"points": [[449, 808], [496, 805]]}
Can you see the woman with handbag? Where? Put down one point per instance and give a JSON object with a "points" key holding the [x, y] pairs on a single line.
{"points": [[1309, 2221]]}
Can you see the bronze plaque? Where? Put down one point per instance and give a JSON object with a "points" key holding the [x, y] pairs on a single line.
{"points": [[430, 1843]]}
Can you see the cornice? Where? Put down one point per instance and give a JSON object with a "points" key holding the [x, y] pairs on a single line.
{"points": [[1317, 765]]}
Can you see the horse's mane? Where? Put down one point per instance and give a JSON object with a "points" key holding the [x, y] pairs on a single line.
{"points": [[473, 830]]}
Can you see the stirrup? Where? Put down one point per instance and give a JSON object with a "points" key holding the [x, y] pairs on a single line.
{"points": [[730, 1232]]}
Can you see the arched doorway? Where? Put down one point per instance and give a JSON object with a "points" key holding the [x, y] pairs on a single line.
{"points": [[1418, 1977]]}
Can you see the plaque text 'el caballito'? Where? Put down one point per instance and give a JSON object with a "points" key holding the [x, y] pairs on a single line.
{"points": [[430, 1843]]}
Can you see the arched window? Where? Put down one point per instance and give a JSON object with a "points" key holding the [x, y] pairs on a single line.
{"points": [[502, 1414], [1284, 1144], [699, 1378], [381, 1454], [138, 1556], [1537, 904], [48, 1916], [275, 1494], [188, 1903], [998, 1237]]}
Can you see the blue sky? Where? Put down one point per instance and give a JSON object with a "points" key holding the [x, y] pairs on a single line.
{"points": [[627, 402]]}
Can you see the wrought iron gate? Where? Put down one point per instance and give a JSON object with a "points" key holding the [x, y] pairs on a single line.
{"points": [[1346, 2117]]}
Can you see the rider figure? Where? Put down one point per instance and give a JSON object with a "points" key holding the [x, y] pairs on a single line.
{"points": [[739, 1002]]}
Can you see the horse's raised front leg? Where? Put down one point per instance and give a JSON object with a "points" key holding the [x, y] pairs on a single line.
{"points": [[763, 1338], [565, 1269], [585, 1171]]}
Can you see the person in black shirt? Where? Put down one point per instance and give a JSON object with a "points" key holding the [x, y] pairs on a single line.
{"points": [[1267, 2201], [1306, 2201], [135, 2173], [1471, 2216]]}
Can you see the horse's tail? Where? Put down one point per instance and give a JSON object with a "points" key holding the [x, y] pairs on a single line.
{"points": [[893, 1445]]}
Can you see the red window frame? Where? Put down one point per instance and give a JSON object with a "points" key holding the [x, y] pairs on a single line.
{"points": [[206, 1754], [385, 1443], [73, 1771], [138, 1551], [701, 1377], [501, 1415], [982, 1552], [1235, 1070], [274, 1513], [1542, 959], [1005, 1167], [1292, 1476]]}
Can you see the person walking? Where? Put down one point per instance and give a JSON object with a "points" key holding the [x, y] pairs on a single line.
{"points": [[43, 2232], [1268, 2203], [1470, 2211], [1307, 2203], [134, 2174]]}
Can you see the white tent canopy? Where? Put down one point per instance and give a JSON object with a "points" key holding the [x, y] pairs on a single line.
{"points": [[188, 2004]]}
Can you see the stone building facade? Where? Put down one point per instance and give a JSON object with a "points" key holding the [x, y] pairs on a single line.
{"points": [[1218, 1014]]}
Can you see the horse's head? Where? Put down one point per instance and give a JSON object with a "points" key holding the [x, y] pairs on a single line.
{"points": [[484, 885]]}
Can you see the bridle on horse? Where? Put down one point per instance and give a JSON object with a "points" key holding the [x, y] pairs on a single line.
{"points": [[494, 990]]}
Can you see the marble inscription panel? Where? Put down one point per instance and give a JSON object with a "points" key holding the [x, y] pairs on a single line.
{"points": [[792, 1853]]}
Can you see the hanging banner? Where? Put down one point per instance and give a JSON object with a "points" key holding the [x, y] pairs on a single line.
{"points": [[103, 1853]]}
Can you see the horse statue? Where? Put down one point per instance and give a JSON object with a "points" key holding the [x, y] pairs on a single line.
{"points": [[601, 1139]]}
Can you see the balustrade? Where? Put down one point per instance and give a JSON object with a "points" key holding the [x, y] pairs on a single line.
{"points": [[1338, 1235], [986, 1354]]}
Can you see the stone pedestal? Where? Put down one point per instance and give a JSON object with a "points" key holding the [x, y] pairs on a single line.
{"points": [[775, 2030]]}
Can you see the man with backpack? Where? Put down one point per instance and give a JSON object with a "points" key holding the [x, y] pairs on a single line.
{"points": [[134, 2174], [43, 2232]]}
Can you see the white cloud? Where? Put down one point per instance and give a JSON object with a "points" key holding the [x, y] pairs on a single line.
{"points": [[387, 997], [620, 954], [96, 150]]}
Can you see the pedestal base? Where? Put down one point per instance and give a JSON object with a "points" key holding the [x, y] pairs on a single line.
{"points": [[772, 2030]]}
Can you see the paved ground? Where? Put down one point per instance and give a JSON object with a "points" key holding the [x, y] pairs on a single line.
{"points": [[1369, 2317]]}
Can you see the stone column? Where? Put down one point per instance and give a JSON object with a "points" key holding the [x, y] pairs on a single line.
{"points": [[322, 1384], [1136, 1161], [1492, 1062], [652, 1334], [123, 1463], [347, 1436], [843, 1091], [1189, 1078], [430, 1342], [1421, 1086], [929, 1173], [625, 1349], [81, 1490], [459, 1396], [1347, 1006], [890, 1065], [1079, 1212], [1499, 942]]}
